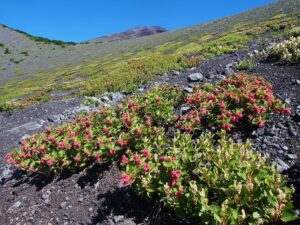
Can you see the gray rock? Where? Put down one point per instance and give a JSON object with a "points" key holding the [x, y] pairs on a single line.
{"points": [[194, 77], [287, 101], [127, 222], [229, 69], [285, 148], [176, 73], [292, 130], [117, 97], [63, 205], [281, 165], [119, 218], [260, 131], [82, 109], [5, 172], [46, 195], [292, 156], [26, 127], [220, 77], [105, 99], [188, 89], [16, 204], [25, 136], [184, 110]]}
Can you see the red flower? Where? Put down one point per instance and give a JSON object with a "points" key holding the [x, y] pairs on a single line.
{"points": [[124, 159], [146, 167], [179, 192], [137, 159], [121, 142], [97, 156], [50, 162], [188, 128], [260, 123], [112, 151], [138, 132], [72, 134], [105, 130], [76, 144], [226, 126], [86, 154], [99, 143], [286, 111], [239, 115], [77, 159], [126, 179], [146, 153], [164, 158], [109, 122], [175, 173]]}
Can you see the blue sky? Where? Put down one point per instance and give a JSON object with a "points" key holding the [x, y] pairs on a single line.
{"points": [[81, 20]]}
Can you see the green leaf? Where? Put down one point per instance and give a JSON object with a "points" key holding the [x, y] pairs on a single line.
{"points": [[256, 215], [288, 215]]}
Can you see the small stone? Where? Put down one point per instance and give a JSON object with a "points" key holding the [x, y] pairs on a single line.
{"points": [[228, 69], [260, 131], [117, 97], [188, 89], [90, 209], [285, 148], [287, 101], [184, 110], [292, 156], [282, 166], [63, 205], [176, 73], [292, 130], [105, 99], [298, 82], [119, 218], [195, 77], [127, 222], [16, 205]]}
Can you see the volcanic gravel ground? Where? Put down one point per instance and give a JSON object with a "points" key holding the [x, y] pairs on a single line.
{"points": [[93, 196]]}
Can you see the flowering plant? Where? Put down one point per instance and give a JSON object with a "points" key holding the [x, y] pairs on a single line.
{"points": [[220, 183], [227, 184], [235, 101]]}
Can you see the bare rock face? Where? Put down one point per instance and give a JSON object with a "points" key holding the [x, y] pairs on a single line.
{"points": [[131, 34]]}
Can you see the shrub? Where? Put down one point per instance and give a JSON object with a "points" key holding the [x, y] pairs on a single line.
{"points": [[238, 100], [6, 51], [287, 51], [245, 64], [220, 182], [227, 184], [293, 32]]}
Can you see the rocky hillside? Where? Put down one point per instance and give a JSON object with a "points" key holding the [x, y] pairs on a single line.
{"points": [[131, 34], [90, 132], [45, 68]]}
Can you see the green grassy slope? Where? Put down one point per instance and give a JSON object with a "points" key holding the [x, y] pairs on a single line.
{"points": [[32, 69]]}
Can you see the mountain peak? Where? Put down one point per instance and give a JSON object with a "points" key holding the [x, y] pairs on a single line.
{"points": [[136, 32]]}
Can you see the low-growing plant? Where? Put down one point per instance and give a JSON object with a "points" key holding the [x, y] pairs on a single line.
{"points": [[245, 64], [218, 182], [223, 184], [240, 100], [287, 51], [293, 32]]}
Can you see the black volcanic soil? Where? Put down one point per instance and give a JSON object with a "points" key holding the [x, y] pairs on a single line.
{"points": [[93, 196]]}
